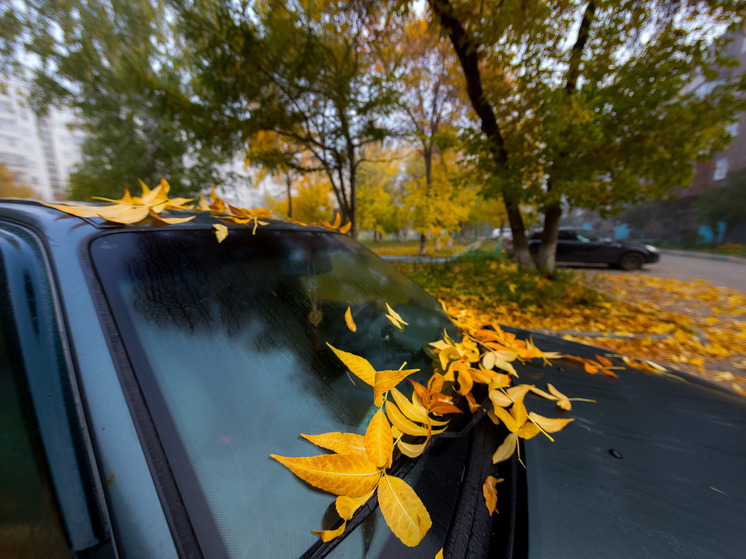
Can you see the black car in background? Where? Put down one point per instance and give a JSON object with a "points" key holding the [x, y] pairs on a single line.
{"points": [[591, 247]]}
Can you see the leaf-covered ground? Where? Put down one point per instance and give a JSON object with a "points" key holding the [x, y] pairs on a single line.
{"points": [[692, 326]]}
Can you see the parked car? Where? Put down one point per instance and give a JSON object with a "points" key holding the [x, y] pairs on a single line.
{"points": [[591, 247], [147, 372]]}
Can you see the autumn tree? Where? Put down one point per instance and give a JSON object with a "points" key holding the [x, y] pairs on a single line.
{"points": [[380, 189], [117, 65], [299, 70], [429, 103], [583, 103]]}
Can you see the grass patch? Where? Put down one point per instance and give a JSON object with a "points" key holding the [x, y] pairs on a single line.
{"points": [[496, 281], [412, 248]]}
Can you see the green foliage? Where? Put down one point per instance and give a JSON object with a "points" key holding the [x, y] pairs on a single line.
{"points": [[494, 281], [118, 66], [302, 72]]}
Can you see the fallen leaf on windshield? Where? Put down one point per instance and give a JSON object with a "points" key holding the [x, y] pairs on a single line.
{"points": [[386, 380], [358, 365], [341, 443], [395, 318], [348, 320], [341, 474], [379, 442], [403, 510]]}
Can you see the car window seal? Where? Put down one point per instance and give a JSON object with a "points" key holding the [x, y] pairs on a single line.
{"points": [[173, 506]]}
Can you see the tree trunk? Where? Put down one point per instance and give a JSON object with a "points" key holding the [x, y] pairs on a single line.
{"points": [[289, 184], [520, 242], [423, 245], [467, 50], [545, 259]]}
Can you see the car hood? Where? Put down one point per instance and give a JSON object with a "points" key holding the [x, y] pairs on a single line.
{"points": [[654, 468]]}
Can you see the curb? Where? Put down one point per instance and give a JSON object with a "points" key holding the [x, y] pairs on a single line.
{"points": [[703, 255], [430, 259]]}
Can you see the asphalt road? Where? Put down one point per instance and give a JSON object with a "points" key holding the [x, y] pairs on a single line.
{"points": [[717, 272]]}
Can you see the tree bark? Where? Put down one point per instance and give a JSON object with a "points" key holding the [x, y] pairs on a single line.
{"points": [[467, 51], [288, 185], [546, 258]]}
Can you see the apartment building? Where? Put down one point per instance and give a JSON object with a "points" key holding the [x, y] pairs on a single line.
{"points": [[39, 150]]}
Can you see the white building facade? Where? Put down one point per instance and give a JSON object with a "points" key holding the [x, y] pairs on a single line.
{"points": [[39, 151]]}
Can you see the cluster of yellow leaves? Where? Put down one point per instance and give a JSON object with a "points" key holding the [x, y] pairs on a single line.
{"points": [[151, 204], [479, 368], [132, 209], [357, 467]]}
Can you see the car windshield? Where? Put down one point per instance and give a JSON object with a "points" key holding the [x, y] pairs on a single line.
{"points": [[228, 342]]}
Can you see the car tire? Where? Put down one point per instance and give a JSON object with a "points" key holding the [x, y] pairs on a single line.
{"points": [[631, 261]]}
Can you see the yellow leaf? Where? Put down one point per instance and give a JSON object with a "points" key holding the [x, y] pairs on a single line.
{"points": [[399, 420], [379, 442], [221, 231], [386, 380], [342, 474], [549, 424], [528, 431], [490, 493], [123, 214], [403, 510], [500, 399], [519, 411], [329, 535], [439, 555], [395, 318], [603, 360], [341, 443], [506, 449], [411, 450], [345, 228], [358, 365], [169, 220], [346, 506], [409, 409], [348, 320], [563, 402], [503, 415], [540, 392], [76, 210]]}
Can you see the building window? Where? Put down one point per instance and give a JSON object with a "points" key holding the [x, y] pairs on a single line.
{"points": [[721, 169], [743, 45]]}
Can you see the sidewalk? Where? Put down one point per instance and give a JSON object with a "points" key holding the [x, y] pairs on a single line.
{"points": [[704, 255]]}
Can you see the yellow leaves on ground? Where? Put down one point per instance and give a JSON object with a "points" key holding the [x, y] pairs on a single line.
{"points": [[341, 474], [489, 491], [403, 510]]}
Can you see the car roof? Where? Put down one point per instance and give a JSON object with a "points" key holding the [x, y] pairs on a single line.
{"points": [[41, 216]]}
